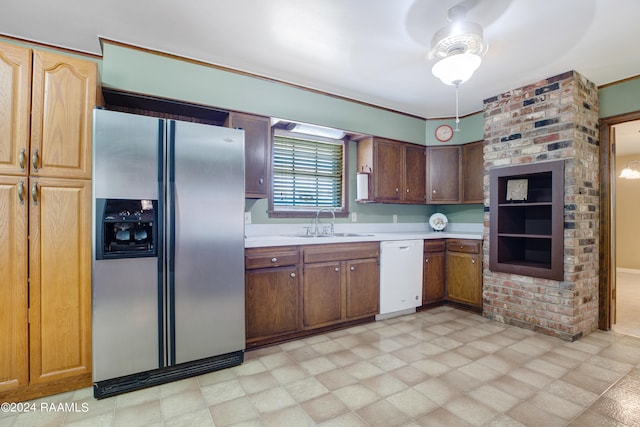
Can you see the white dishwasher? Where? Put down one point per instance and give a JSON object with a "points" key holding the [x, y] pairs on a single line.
{"points": [[400, 277]]}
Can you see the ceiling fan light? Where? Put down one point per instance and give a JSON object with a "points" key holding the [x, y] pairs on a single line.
{"points": [[456, 69]]}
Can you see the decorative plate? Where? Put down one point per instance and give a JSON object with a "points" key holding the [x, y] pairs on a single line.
{"points": [[438, 221]]}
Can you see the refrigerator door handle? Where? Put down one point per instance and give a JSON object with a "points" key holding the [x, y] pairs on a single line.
{"points": [[171, 239]]}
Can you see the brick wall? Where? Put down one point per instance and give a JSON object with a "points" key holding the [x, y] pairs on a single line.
{"points": [[556, 118]]}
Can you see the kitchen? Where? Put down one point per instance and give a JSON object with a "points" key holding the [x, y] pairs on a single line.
{"points": [[117, 58]]}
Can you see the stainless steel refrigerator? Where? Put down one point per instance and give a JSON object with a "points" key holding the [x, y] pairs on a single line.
{"points": [[168, 245]]}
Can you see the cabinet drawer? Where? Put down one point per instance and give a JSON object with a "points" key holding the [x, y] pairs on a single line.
{"points": [[461, 245], [341, 251], [270, 257], [434, 245]]}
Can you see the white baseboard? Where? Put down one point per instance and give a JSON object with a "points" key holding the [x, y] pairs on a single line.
{"points": [[627, 270]]}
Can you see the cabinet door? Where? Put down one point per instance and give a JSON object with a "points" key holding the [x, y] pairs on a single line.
{"points": [[443, 174], [363, 287], [15, 104], [64, 95], [464, 278], [14, 354], [60, 279], [387, 173], [322, 294], [271, 305], [257, 147], [414, 174], [433, 280], [473, 172]]}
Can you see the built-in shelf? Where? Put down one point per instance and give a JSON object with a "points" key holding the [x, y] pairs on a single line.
{"points": [[526, 224]]}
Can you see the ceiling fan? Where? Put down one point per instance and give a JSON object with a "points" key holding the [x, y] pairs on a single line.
{"points": [[458, 46]]}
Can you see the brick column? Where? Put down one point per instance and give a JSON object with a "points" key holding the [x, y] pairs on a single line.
{"points": [[556, 118]]}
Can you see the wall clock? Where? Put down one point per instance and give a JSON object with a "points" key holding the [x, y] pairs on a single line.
{"points": [[444, 133]]}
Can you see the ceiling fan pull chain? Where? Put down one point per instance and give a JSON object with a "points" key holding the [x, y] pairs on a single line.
{"points": [[457, 115]]}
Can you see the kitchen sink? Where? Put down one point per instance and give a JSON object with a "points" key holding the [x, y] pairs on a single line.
{"points": [[351, 235], [311, 236]]}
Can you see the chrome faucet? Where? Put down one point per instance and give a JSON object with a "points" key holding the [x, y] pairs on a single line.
{"points": [[317, 221]]}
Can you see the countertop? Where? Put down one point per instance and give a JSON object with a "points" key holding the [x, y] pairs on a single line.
{"points": [[285, 240]]}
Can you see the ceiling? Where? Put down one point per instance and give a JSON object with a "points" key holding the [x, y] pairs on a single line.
{"points": [[374, 51]]}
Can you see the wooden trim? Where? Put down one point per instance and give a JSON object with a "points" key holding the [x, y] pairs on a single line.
{"points": [[253, 344], [34, 391], [255, 76], [38, 45], [607, 252], [606, 85]]}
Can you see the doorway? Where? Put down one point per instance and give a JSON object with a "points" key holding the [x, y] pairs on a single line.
{"points": [[627, 229], [619, 262]]}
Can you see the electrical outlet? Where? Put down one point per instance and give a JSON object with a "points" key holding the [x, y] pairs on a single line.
{"points": [[395, 218], [247, 217], [354, 217]]}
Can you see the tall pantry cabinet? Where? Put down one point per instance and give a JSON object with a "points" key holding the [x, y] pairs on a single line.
{"points": [[46, 104]]}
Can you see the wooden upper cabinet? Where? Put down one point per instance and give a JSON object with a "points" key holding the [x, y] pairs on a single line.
{"points": [[257, 143], [414, 173], [387, 171], [60, 279], [63, 98], [397, 170], [15, 105], [473, 172], [14, 353], [443, 174]]}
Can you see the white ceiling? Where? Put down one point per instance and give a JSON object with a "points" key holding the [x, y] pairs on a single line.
{"points": [[372, 51]]}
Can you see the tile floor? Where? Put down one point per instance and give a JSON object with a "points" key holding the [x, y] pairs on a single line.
{"points": [[442, 367]]}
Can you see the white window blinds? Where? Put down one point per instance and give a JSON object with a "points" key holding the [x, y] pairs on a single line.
{"points": [[307, 174]]}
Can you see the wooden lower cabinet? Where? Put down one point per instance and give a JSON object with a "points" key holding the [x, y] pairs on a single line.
{"points": [[362, 287], [464, 272], [434, 271], [59, 288], [339, 284], [14, 287], [272, 293], [322, 298]]}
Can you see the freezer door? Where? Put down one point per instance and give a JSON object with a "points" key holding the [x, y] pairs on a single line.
{"points": [[206, 205], [127, 304], [125, 317], [126, 152]]}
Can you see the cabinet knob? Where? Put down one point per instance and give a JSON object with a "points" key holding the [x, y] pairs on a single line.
{"points": [[426, 260], [274, 259], [473, 261], [293, 274], [397, 189], [353, 268], [407, 190], [434, 191], [261, 181], [336, 269]]}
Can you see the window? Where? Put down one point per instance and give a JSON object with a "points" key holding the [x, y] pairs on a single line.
{"points": [[308, 174]]}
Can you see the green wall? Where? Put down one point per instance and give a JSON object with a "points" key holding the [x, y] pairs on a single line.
{"points": [[620, 98], [143, 72], [165, 76]]}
